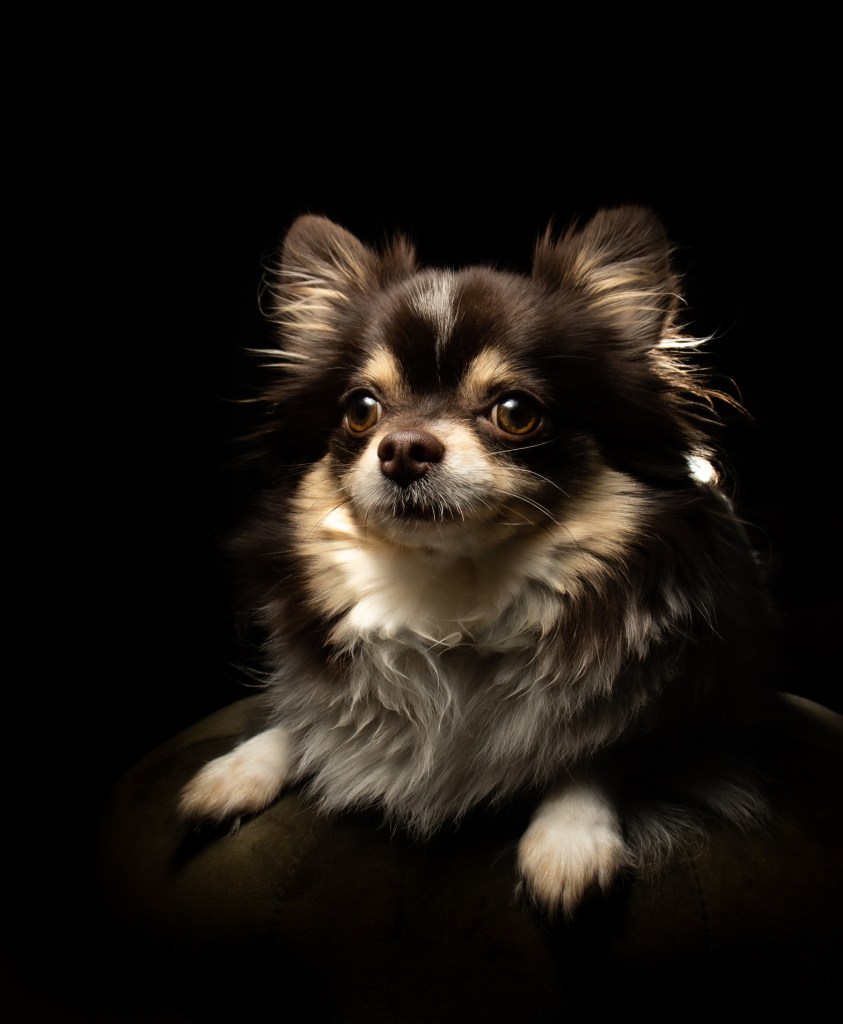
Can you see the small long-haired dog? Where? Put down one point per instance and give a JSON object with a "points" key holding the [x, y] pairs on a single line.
{"points": [[492, 559]]}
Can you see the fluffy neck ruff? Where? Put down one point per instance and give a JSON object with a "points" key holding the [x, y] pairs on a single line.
{"points": [[459, 676]]}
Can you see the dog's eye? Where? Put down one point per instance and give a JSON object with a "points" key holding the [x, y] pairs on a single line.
{"points": [[516, 415], [362, 412]]}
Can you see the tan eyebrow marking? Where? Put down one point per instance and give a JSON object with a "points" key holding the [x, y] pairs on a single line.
{"points": [[488, 371], [383, 371]]}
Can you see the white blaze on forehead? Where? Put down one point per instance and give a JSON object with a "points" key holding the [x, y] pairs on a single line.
{"points": [[434, 302]]}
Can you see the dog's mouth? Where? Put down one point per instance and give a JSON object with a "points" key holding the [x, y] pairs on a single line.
{"points": [[416, 504], [454, 517]]}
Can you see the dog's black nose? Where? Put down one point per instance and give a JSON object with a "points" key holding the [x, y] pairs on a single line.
{"points": [[406, 455]]}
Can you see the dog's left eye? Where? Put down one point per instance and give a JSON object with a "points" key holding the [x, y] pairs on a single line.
{"points": [[362, 412], [516, 415]]}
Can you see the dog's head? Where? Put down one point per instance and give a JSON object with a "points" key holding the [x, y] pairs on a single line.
{"points": [[479, 398]]}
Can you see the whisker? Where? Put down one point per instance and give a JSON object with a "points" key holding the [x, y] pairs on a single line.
{"points": [[534, 504], [547, 480], [330, 512], [525, 448]]}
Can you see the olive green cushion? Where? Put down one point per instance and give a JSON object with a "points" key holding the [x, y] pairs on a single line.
{"points": [[358, 924]]}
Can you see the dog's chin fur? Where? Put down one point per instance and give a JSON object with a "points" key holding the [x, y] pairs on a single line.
{"points": [[543, 592]]}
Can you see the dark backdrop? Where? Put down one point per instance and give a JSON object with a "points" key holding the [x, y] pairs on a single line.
{"points": [[163, 159]]}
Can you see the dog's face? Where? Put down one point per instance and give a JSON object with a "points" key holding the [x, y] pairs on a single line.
{"points": [[452, 427], [454, 408]]}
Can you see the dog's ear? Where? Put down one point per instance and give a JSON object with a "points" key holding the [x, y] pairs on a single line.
{"points": [[320, 268], [322, 250], [619, 265]]}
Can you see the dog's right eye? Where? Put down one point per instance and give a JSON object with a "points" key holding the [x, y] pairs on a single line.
{"points": [[362, 412], [516, 415]]}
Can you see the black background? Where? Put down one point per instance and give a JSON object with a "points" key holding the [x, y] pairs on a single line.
{"points": [[160, 159]]}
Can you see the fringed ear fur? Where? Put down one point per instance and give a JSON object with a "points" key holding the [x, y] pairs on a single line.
{"points": [[321, 268], [619, 263]]}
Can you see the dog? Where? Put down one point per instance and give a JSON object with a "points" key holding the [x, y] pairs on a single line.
{"points": [[492, 560]]}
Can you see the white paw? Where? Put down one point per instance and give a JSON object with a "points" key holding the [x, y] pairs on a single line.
{"points": [[243, 781], [573, 843]]}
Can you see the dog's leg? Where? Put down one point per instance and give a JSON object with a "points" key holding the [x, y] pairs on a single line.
{"points": [[243, 781], [572, 844]]}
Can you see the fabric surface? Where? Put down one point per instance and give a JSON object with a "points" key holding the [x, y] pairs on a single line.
{"points": [[356, 924]]}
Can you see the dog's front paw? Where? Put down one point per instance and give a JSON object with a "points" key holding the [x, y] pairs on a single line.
{"points": [[572, 846], [243, 781]]}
